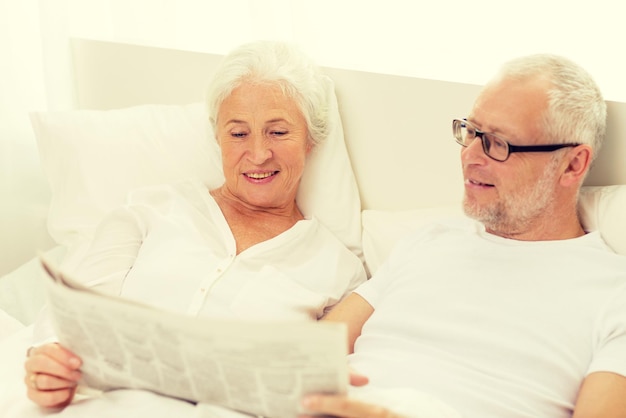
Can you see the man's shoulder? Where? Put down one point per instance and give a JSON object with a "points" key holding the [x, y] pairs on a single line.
{"points": [[445, 230]]}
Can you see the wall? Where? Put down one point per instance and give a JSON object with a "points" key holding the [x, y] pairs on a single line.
{"points": [[449, 40]]}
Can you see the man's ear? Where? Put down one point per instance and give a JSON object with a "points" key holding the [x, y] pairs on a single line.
{"points": [[578, 160]]}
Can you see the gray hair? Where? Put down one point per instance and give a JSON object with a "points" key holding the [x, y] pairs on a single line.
{"points": [[275, 63], [576, 110]]}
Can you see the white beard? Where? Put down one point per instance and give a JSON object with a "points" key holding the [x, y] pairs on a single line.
{"points": [[517, 211]]}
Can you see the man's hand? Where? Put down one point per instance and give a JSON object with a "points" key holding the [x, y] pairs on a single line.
{"points": [[343, 406]]}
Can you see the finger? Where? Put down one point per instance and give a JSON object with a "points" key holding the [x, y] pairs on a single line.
{"points": [[53, 398], [343, 406], [38, 390], [44, 382], [59, 353], [357, 379], [53, 360], [41, 364]]}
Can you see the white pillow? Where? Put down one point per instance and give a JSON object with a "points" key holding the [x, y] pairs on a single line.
{"points": [[383, 228], [93, 158], [601, 208]]}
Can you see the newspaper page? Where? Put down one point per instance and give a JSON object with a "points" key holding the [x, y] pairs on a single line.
{"points": [[257, 367]]}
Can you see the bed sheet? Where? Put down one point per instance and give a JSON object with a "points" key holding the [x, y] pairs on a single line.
{"points": [[8, 325], [22, 292]]}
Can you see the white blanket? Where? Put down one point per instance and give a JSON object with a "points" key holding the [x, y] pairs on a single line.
{"points": [[8, 325], [136, 403], [121, 403]]}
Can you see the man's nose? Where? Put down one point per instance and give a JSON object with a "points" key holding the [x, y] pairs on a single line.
{"points": [[474, 151]]}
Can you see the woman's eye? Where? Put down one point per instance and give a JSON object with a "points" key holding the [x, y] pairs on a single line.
{"points": [[278, 133], [238, 134]]}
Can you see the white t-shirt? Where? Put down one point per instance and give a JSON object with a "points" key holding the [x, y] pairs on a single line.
{"points": [[172, 247], [494, 327]]}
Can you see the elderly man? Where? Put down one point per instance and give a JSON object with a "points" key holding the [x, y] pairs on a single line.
{"points": [[518, 312]]}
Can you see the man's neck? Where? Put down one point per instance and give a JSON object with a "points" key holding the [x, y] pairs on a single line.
{"points": [[544, 229]]}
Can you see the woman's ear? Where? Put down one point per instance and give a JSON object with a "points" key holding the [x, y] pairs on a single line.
{"points": [[578, 161]]}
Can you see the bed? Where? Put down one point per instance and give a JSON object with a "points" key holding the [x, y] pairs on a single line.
{"points": [[393, 154]]}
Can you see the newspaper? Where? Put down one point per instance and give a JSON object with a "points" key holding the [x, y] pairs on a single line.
{"points": [[262, 368]]}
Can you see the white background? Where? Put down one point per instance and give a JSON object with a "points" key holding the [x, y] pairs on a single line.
{"points": [[451, 40]]}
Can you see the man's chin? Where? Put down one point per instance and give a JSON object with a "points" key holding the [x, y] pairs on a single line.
{"points": [[471, 210], [479, 213]]}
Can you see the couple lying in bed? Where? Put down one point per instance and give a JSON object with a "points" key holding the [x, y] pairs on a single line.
{"points": [[479, 314]]}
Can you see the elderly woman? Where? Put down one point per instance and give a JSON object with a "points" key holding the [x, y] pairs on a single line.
{"points": [[242, 250]]}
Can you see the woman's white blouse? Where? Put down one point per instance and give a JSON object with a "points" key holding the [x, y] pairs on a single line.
{"points": [[172, 247]]}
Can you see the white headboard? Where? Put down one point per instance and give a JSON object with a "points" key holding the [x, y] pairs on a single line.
{"points": [[398, 129]]}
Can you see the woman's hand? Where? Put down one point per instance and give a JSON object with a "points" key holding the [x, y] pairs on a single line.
{"points": [[52, 374]]}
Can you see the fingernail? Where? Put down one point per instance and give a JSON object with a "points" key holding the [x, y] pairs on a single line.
{"points": [[74, 362]]}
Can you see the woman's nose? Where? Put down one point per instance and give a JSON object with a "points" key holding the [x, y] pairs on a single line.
{"points": [[260, 149]]}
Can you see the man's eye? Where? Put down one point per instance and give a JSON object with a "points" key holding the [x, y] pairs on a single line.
{"points": [[496, 142]]}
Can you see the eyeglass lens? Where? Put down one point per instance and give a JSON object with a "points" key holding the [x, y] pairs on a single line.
{"points": [[493, 146]]}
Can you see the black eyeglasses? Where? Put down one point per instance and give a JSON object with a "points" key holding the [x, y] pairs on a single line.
{"points": [[495, 147]]}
